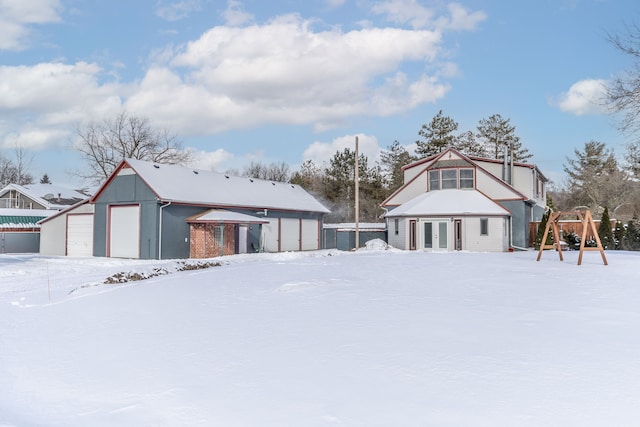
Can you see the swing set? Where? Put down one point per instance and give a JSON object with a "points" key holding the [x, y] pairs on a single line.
{"points": [[587, 222]]}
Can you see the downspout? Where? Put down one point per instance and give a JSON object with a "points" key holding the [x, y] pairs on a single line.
{"points": [[160, 231]]}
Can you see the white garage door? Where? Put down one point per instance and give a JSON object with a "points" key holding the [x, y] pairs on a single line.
{"points": [[290, 234], [270, 235], [80, 235], [310, 234], [124, 231]]}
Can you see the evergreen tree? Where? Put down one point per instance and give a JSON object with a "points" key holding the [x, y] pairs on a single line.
{"points": [[468, 144], [339, 188], [631, 239], [497, 133], [592, 175], [392, 160], [618, 234], [45, 179], [437, 135], [541, 228], [605, 232]]}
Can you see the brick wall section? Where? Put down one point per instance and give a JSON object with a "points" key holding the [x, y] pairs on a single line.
{"points": [[203, 244]]}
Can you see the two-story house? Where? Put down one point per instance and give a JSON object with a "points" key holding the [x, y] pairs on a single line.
{"points": [[451, 201]]}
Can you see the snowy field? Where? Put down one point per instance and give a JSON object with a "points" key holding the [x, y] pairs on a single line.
{"points": [[373, 338]]}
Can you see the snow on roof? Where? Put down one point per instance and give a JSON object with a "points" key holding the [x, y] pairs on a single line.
{"points": [[52, 196], [224, 216], [185, 185], [448, 202]]}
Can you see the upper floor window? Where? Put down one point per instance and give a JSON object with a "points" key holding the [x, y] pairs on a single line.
{"points": [[449, 178], [434, 180], [442, 179], [466, 178]]}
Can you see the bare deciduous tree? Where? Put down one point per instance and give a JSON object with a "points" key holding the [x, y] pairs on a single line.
{"points": [[16, 172], [279, 172], [103, 145]]}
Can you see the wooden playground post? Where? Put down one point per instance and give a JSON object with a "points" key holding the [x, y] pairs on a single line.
{"points": [[587, 221]]}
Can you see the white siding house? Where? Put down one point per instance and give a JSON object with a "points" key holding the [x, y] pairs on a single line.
{"points": [[454, 202]]}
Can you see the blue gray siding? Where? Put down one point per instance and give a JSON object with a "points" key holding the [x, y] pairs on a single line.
{"points": [[174, 235]]}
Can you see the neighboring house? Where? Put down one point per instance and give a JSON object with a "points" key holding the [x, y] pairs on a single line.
{"points": [[451, 201], [156, 211], [39, 196], [21, 209], [19, 229]]}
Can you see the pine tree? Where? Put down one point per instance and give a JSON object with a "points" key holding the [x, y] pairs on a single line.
{"points": [[618, 234], [541, 228], [392, 160], [591, 175], [631, 240], [497, 133], [466, 143], [604, 230], [45, 179], [437, 136]]}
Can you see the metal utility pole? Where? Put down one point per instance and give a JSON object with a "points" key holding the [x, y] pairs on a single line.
{"points": [[357, 196]]}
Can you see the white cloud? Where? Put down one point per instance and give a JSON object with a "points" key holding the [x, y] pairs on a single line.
{"points": [[31, 101], [405, 12], [175, 11], [285, 72], [411, 12], [583, 97], [335, 3], [217, 160], [462, 19], [321, 152], [235, 15], [17, 17]]}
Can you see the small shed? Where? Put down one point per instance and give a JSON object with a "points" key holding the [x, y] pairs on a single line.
{"points": [[219, 232], [342, 236]]}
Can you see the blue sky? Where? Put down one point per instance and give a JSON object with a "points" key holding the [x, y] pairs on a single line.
{"points": [[285, 80]]}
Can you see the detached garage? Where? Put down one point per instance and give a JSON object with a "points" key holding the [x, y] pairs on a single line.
{"points": [[68, 232], [157, 211]]}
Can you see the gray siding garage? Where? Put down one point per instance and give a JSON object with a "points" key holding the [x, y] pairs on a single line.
{"points": [[141, 211]]}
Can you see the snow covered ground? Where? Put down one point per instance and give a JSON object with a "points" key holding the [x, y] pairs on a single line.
{"points": [[373, 338]]}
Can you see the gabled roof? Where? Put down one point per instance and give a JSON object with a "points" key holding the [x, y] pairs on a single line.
{"points": [[436, 161], [449, 202], [48, 195], [178, 184], [64, 211]]}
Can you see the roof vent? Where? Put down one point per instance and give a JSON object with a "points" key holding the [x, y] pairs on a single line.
{"points": [[156, 166]]}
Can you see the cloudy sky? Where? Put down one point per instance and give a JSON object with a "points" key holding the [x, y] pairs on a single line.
{"points": [[290, 80]]}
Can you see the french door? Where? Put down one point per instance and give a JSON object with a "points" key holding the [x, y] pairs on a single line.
{"points": [[435, 235]]}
